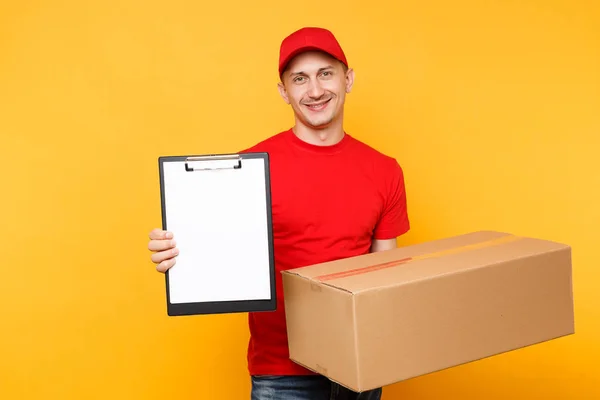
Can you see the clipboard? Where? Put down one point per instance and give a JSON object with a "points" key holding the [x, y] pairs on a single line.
{"points": [[218, 207]]}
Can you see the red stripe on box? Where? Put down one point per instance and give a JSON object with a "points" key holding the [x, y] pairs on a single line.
{"points": [[363, 270]]}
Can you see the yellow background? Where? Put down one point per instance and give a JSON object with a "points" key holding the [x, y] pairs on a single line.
{"points": [[492, 108]]}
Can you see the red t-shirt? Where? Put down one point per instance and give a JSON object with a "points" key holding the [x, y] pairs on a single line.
{"points": [[328, 202]]}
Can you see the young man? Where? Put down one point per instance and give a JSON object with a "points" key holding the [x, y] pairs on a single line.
{"points": [[332, 197]]}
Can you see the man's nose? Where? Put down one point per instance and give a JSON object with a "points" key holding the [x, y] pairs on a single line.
{"points": [[315, 90]]}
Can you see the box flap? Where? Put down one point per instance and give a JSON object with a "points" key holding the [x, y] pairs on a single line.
{"points": [[424, 261]]}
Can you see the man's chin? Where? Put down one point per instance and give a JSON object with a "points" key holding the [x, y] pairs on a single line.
{"points": [[319, 124]]}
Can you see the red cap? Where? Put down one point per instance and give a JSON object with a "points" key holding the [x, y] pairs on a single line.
{"points": [[309, 38]]}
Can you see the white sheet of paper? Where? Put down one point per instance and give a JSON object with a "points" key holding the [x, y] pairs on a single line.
{"points": [[219, 221]]}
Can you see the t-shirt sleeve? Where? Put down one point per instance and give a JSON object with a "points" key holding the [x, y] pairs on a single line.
{"points": [[394, 218]]}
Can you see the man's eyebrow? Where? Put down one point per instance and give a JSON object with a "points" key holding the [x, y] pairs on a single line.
{"points": [[304, 73]]}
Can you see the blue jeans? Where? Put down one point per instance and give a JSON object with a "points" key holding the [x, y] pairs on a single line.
{"points": [[312, 387]]}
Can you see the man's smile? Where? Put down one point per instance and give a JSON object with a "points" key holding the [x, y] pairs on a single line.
{"points": [[318, 106]]}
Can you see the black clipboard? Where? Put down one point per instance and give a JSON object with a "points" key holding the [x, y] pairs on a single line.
{"points": [[218, 207]]}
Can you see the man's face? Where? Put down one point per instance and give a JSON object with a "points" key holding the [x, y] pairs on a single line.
{"points": [[315, 85]]}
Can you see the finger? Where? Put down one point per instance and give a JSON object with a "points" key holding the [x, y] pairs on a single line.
{"points": [[164, 255], [159, 234], [165, 265], [161, 245]]}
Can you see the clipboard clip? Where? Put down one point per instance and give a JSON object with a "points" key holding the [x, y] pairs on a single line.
{"points": [[213, 162]]}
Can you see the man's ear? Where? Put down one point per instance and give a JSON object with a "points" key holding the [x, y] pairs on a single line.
{"points": [[349, 80], [283, 92]]}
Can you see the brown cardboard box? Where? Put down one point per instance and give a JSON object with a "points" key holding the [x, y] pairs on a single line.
{"points": [[380, 318]]}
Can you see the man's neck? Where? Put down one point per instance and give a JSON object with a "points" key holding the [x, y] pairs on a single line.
{"points": [[327, 136]]}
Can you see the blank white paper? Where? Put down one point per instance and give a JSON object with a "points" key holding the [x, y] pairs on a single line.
{"points": [[219, 221]]}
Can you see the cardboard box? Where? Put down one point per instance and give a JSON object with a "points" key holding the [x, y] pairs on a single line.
{"points": [[380, 318]]}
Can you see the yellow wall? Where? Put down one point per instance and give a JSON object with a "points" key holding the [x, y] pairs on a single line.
{"points": [[492, 107]]}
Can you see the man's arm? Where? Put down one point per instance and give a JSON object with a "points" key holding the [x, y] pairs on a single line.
{"points": [[394, 220], [383, 245]]}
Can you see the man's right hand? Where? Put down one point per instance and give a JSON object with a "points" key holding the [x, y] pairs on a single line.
{"points": [[164, 249]]}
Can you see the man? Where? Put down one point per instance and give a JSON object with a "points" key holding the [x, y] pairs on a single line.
{"points": [[332, 197]]}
